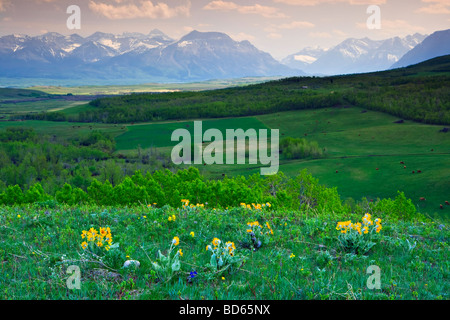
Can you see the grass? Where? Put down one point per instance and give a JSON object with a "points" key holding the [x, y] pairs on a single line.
{"points": [[159, 135], [63, 129], [149, 87], [301, 260], [357, 142], [39, 106]]}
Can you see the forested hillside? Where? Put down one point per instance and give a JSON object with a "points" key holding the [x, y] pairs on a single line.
{"points": [[418, 93]]}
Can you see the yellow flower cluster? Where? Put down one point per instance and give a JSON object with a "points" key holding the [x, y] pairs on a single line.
{"points": [[215, 244], [187, 205], [172, 218], [231, 247], [345, 226], [253, 226], [101, 238], [176, 241], [257, 206]]}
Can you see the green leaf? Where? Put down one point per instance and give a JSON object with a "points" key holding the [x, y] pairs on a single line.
{"points": [[213, 261], [176, 265]]}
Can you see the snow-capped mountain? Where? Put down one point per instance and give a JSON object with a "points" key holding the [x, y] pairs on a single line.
{"points": [[206, 55], [151, 57], [435, 45], [362, 55], [303, 58]]}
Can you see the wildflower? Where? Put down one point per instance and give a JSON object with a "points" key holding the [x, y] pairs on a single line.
{"points": [[107, 248], [192, 234], [292, 255], [223, 278], [193, 274], [83, 234], [249, 231], [145, 217], [180, 252], [230, 246], [84, 245], [176, 241], [216, 242], [170, 219], [365, 230], [99, 244], [378, 228], [18, 216], [208, 247]]}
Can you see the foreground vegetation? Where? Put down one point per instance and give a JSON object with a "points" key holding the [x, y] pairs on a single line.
{"points": [[152, 252]]}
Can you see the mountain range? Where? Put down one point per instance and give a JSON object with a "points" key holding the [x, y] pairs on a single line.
{"points": [[436, 45], [153, 57], [198, 56], [353, 56]]}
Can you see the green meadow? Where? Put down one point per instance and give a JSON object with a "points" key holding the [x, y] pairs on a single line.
{"points": [[366, 148]]}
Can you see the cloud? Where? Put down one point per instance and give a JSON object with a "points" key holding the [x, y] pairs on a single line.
{"points": [[145, 9], [317, 2], [340, 33], [241, 36], [275, 28], [296, 25], [265, 11], [274, 35], [435, 7], [323, 35], [395, 27], [4, 4]]}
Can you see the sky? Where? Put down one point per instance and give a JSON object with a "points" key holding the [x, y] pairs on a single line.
{"points": [[279, 27]]}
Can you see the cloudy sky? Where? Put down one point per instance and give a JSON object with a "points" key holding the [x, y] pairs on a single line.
{"points": [[280, 27]]}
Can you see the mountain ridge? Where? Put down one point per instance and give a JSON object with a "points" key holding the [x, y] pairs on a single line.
{"points": [[196, 56]]}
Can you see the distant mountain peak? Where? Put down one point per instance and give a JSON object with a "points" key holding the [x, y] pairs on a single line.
{"points": [[197, 35], [354, 55], [434, 45]]}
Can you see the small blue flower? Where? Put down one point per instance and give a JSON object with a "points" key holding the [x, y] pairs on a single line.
{"points": [[193, 274]]}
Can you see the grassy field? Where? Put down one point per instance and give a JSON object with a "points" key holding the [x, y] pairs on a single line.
{"points": [[150, 87], [300, 256], [64, 129], [356, 144], [159, 135], [365, 147]]}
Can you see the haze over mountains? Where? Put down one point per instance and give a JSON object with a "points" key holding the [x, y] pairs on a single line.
{"points": [[354, 55], [198, 56], [154, 57]]}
